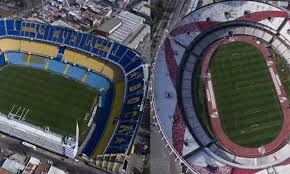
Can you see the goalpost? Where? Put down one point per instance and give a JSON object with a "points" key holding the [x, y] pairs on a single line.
{"points": [[15, 115]]}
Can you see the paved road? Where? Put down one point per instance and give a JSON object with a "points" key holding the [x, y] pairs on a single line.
{"points": [[71, 166], [161, 162], [178, 10]]}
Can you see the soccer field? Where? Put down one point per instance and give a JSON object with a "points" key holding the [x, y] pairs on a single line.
{"points": [[246, 98], [52, 100]]}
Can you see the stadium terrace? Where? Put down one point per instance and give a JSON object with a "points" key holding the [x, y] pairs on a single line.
{"points": [[100, 84], [220, 93]]}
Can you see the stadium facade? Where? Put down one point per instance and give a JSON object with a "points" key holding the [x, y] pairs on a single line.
{"points": [[175, 68], [111, 68]]}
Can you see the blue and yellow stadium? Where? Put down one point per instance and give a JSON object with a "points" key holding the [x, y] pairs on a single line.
{"points": [[115, 71]]}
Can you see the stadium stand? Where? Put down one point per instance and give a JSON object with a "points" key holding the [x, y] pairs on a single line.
{"points": [[38, 48], [75, 72], [97, 81], [101, 118], [56, 66], [267, 24], [36, 61], [84, 57], [112, 119], [8, 44]]}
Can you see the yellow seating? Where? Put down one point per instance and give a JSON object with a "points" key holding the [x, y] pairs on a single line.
{"points": [[110, 162], [39, 48], [7, 44], [106, 161], [108, 69], [91, 63], [110, 73], [117, 165]]}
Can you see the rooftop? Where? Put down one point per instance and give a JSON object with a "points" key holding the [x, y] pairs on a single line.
{"points": [[110, 25]]}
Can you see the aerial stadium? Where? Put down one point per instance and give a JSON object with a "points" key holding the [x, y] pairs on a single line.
{"points": [[71, 93], [221, 89]]}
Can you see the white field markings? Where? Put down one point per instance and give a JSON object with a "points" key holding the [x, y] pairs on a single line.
{"points": [[211, 93], [273, 75], [3, 67], [253, 124], [277, 84]]}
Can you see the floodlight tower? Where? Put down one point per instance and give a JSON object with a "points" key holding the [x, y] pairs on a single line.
{"points": [[77, 139]]}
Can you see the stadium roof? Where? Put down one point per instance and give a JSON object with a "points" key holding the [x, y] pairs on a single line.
{"points": [[110, 25], [193, 34]]}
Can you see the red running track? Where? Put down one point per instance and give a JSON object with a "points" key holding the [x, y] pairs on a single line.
{"points": [[213, 112]]}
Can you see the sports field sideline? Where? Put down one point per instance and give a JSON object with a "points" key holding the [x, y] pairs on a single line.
{"points": [[246, 99], [52, 100]]}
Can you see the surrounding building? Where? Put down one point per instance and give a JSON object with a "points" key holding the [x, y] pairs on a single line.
{"points": [[143, 7]]}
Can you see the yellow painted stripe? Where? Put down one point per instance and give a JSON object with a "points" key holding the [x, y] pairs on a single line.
{"points": [[110, 127], [46, 65], [66, 69], [85, 77], [28, 59], [133, 149], [6, 58]]}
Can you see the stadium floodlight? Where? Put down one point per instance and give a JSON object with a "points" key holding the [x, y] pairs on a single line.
{"points": [[46, 129]]}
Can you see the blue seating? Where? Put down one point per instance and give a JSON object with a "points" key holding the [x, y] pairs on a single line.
{"points": [[136, 84], [138, 73], [128, 58], [101, 119], [134, 64], [2, 28], [85, 42], [60, 53], [119, 144], [68, 38], [40, 28], [28, 33], [120, 54], [37, 62], [56, 66], [46, 32], [13, 29], [16, 58], [97, 81], [121, 51], [2, 60], [126, 127], [76, 72]]}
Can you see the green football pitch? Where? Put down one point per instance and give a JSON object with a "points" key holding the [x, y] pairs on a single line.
{"points": [[247, 102], [52, 100]]}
